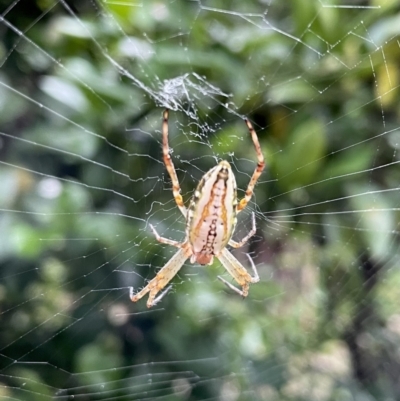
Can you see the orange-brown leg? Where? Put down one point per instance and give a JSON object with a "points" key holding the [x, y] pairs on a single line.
{"points": [[176, 189], [257, 172]]}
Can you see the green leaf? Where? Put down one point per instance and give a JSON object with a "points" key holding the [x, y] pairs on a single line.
{"points": [[374, 218], [303, 156], [350, 161]]}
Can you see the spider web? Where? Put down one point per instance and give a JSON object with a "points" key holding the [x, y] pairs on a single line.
{"points": [[82, 89]]}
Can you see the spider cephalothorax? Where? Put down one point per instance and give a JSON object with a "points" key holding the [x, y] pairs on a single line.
{"points": [[210, 222]]}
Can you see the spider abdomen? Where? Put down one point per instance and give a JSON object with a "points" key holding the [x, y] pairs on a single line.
{"points": [[212, 213]]}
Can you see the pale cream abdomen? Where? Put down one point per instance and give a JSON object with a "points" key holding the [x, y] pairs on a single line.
{"points": [[212, 213]]}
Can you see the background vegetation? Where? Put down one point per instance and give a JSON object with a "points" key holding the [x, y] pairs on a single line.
{"points": [[81, 95]]}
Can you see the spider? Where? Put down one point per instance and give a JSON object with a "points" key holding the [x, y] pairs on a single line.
{"points": [[210, 223]]}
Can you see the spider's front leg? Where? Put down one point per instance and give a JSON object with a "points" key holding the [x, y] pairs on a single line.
{"points": [[238, 272], [162, 278]]}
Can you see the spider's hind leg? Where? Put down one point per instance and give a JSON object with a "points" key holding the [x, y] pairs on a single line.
{"points": [[176, 189], [258, 170]]}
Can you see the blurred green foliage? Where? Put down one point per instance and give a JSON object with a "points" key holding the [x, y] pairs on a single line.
{"points": [[81, 94]]}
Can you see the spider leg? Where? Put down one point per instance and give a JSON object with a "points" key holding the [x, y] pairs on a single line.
{"points": [[253, 230], [232, 287], [163, 240], [257, 172], [161, 296], [176, 189], [162, 278], [238, 272]]}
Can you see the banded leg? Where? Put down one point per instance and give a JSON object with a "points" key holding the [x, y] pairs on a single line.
{"points": [[238, 272], [176, 189], [162, 278], [253, 230], [163, 240], [257, 172]]}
